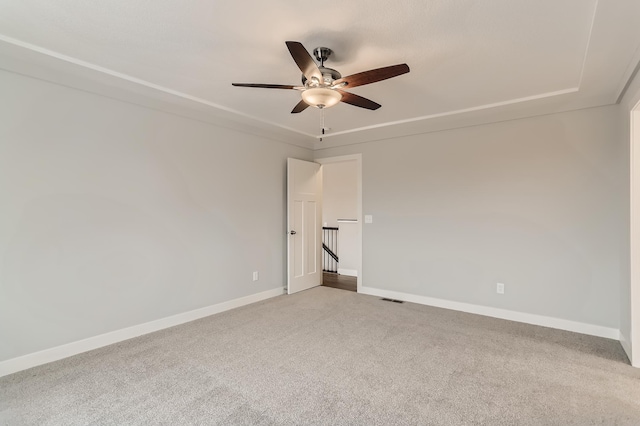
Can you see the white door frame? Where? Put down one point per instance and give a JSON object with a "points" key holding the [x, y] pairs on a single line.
{"points": [[358, 159], [634, 240]]}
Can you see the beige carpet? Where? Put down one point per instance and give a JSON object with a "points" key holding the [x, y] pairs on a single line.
{"points": [[330, 357]]}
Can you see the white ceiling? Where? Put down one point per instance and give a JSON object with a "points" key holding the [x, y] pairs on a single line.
{"points": [[471, 61]]}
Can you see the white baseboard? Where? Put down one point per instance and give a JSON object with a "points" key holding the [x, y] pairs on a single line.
{"points": [[53, 354], [626, 345], [349, 272], [561, 324]]}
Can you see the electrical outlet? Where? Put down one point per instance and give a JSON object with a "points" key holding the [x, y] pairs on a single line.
{"points": [[255, 275], [500, 288]]}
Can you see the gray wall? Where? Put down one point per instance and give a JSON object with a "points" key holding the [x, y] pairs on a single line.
{"points": [[534, 203], [113, 215]]}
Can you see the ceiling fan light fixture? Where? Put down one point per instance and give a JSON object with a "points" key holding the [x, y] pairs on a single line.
{"points": [[321, 97]]}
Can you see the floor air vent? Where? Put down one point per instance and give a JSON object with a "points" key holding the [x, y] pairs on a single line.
{"points": [[392, 300]]}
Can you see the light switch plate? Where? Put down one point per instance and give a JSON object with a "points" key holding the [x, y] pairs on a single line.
{"points": [[368, 218]]}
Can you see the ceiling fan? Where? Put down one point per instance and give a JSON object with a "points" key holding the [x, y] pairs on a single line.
{"points": [[322, 87]]}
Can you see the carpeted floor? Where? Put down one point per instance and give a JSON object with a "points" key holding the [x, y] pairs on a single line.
{"points": [[327, 356]]}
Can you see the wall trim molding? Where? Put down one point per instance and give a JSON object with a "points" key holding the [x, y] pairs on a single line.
{"points": [[45, 356], [145, 83], [544, 321]]}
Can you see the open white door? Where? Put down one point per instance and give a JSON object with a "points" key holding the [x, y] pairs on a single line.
{"points": [[304, 221]]}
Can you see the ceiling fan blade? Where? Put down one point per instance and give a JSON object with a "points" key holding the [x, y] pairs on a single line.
{"points": [[358, 101], [265, 86], [372, 76], [302, 105], [304, 60]]}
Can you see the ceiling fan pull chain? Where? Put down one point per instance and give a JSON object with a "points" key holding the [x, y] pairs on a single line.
{"points": [[322, 124]]}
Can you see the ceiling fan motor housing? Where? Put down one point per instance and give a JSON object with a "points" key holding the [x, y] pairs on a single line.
{"points": [[329, 75]]}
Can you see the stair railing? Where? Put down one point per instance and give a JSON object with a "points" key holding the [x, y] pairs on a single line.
{"points": [[329, 249]]}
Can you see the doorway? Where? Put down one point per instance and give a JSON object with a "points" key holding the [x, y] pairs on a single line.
{"points": [[342, 219]]}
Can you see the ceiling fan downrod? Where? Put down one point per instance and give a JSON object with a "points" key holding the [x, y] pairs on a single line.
{"points": [[322, 54]]}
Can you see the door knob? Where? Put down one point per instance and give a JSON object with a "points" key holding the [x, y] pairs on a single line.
{"points": [[293, 232]]}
